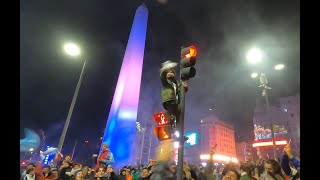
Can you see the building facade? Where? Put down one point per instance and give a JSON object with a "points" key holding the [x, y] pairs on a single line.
{"points": [[215, 132], [284, 116]]}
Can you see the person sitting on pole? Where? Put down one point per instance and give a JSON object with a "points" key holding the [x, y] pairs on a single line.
{"points": [[105, 158], [170, 88]]}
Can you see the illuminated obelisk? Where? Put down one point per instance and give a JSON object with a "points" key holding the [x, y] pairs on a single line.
{"points": [[121, 125]]}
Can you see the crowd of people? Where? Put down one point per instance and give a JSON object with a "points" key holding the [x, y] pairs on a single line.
{"points": [[263, 169]]}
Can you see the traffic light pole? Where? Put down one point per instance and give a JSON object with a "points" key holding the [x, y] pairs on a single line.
{"points": [[181, 127]]}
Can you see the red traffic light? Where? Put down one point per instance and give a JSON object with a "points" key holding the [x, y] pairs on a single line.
{"points": [[189, 52], [160, 118], [162, 132]]}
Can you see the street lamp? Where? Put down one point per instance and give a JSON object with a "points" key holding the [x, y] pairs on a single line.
{"points": [[73, 50], [279, 66], [254, 56], [254, 75]]}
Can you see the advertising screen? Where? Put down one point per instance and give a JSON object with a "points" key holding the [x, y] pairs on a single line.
{"points": [[193, 138]]}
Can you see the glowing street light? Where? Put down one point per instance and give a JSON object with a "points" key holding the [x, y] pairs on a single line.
{"points": [[254, 56], [177, 134], [71, 49], [254, 75], [31, 149], [279, 66]]}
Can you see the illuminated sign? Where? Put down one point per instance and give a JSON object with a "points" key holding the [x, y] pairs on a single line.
{"points": [[269, 143], [219, 157], [193, 138]]}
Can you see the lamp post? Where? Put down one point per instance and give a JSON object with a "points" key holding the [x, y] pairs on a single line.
{"points": [[254, 56], [72, 50]]}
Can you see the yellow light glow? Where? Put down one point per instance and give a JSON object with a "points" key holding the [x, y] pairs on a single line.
{"points": [[219, 157]]}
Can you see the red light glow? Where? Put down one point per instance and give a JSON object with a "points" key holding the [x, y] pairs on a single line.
{"points": [[160, 118], [269, 143], [192, 52]]}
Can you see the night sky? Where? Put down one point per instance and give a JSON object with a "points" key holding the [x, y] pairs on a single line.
{"points": [[222, 31]]}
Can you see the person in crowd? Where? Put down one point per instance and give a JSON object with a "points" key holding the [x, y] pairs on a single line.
{"points": [[220, 175], [63, 169], [86, 174], [246, 173], [290, 164], [260, 164], [172, 170], [122, 174], [77, 175], [30, 174], [135, 174], [75, 168], [100, 174], [29, 166], [186, 170], [110, 174], [272, 171], [105, 158], [201, 175], [209, 169], [230, 173], [128, 173], [45, 170], [53, 174], [144, 174], [67, 159]]}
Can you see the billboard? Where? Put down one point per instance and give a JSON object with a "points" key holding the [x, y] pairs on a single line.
{"points": [[193, 138], [265, 133]]}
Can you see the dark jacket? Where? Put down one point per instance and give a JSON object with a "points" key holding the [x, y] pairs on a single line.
{"points": [[167, 93], [88, 177], [285, 164], [201, 176], [245, 177]]}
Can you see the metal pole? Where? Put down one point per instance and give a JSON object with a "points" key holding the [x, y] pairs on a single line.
{"points": [[150, 143], [268, 116], [73, 102], [181, 137], [74, 148], [142, 143]]}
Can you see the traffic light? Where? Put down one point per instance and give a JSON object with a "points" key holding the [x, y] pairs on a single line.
{"points": [[163, 132], [188, 60], [165, 118], [161, 118]]}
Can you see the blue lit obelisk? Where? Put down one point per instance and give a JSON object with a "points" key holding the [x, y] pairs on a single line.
{"points": [[121, 125]]}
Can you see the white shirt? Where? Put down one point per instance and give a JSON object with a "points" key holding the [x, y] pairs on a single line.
{"points": [[30, 177]]}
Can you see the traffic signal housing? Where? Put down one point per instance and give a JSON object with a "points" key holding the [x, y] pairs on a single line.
{"points": [[163, 132], [187, 62]]}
